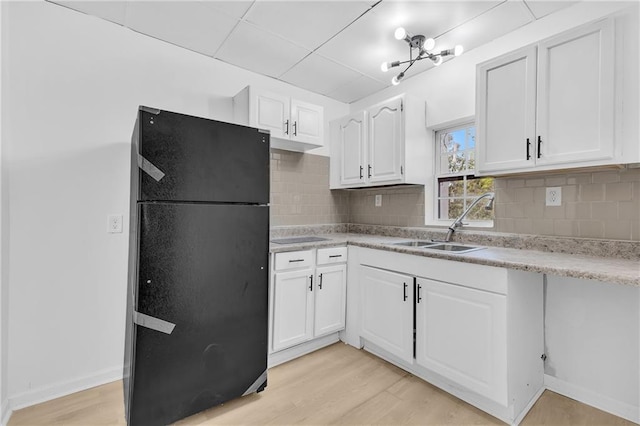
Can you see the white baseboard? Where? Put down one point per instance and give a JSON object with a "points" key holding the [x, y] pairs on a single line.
{"points": [[589, 397], [285, 355], [5, 413], [56, 390]]}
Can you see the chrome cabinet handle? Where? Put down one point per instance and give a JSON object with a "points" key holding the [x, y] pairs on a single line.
{"points": [[418, 291], [286, 127], [296, 260], [528, 149], [360, 172], [310, 282], [320, 282], [295, 128], [539, 147], [335, 255], [405, 292]]}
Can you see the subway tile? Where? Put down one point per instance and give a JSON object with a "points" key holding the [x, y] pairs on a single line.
{"points": [[604, 210], [554, 212], [523, 195], [542, 226], [578, 179], [534, 210], [591, 192], [591, 229], [569, 193], [534, 182], [630, 175], [617, 229], [555, 181], [515, 210], [577, 211], [523, 226], [605, 177], [620, 191], [566, 228], [629, 210], [515, 183]]}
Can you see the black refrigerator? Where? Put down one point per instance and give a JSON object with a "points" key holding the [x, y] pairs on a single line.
{"points": [[196, 326]]}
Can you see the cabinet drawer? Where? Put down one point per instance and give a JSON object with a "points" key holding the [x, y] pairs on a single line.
{"points": [[332, 255], [293, 260]]}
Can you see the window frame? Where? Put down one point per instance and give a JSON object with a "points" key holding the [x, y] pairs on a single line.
{"points": [[432, 199]]}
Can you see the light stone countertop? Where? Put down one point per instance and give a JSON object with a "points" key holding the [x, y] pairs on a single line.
{"points": [[606, 269]]}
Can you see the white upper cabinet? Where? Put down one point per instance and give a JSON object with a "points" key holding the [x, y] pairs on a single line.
{"points": [[352, 136], [385, 144], [385, 162], [550, 105], [294, 125]]}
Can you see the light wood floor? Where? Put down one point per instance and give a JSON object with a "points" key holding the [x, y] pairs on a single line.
{"points": [[336, 385]]}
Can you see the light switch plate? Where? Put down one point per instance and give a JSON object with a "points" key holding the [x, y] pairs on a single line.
{"points": [[554, 196], [114, 224]]}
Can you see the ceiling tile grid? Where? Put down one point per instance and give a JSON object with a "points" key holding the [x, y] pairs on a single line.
{"points": [[334, 48]]}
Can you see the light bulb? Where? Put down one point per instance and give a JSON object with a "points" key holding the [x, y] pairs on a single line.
{"points": [[458, 50], [429, 44], [385, 66], [400, 33], [437, 60], [396, 80]]}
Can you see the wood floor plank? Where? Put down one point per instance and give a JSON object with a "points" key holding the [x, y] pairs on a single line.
{"points": [[336, 385]]}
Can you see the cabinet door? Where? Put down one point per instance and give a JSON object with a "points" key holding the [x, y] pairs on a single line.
{"points": [[272, 113], [506, 108], [387, 311], [461, 334], [576, 95], [330, 299], [386, 139], [307, 122], [292, 308], [353, 134]]}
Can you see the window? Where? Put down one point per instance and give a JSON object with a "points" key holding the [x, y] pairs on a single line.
{"points": [[457, 186]]}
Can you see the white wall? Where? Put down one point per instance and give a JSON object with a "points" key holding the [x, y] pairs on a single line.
{"points": [[4, 236], [74, 87], [592, 343]]}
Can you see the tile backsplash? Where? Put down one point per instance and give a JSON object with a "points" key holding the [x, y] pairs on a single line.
{"points": [[300, 192], [595, 204]]}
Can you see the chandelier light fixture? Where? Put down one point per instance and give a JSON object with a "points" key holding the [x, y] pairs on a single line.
{"points": [[424, 47]]}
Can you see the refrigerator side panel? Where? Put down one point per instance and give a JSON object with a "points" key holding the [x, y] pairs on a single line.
{"points": [[203, 274], [133, 267], [186, 158]]}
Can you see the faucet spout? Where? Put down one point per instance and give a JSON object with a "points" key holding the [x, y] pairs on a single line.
{"points": [[458, 222]]}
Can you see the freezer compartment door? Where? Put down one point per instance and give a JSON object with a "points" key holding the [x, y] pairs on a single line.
{"points": [[204, 269], [186, 158]]}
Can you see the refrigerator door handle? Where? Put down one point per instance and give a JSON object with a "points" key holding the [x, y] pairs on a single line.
{"points": [[153, 323], [148, 167]]}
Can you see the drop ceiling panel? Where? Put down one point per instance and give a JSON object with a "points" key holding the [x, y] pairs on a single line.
{"points": [[307, 23], [319, 74], [236, 8], [365, 44], [544, 8], [113, 11], [194, 25], [257, 50], [357, 89], [498, 21], [432, 18]]}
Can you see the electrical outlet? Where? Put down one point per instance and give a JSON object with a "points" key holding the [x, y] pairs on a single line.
{"points": [[378, 200], [554, 196], [114, 223]]}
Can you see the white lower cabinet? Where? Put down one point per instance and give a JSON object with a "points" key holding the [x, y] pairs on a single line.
{"points": [[461, 334], [292, 308], [308, 298], [387, 310], [475, 331]]}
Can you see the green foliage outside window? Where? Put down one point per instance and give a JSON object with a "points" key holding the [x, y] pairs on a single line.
{"points": [[457, 186]]}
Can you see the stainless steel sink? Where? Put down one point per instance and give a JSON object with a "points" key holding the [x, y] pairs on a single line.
{"points": [[452, 248], [416, 243], [431, 245]]}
